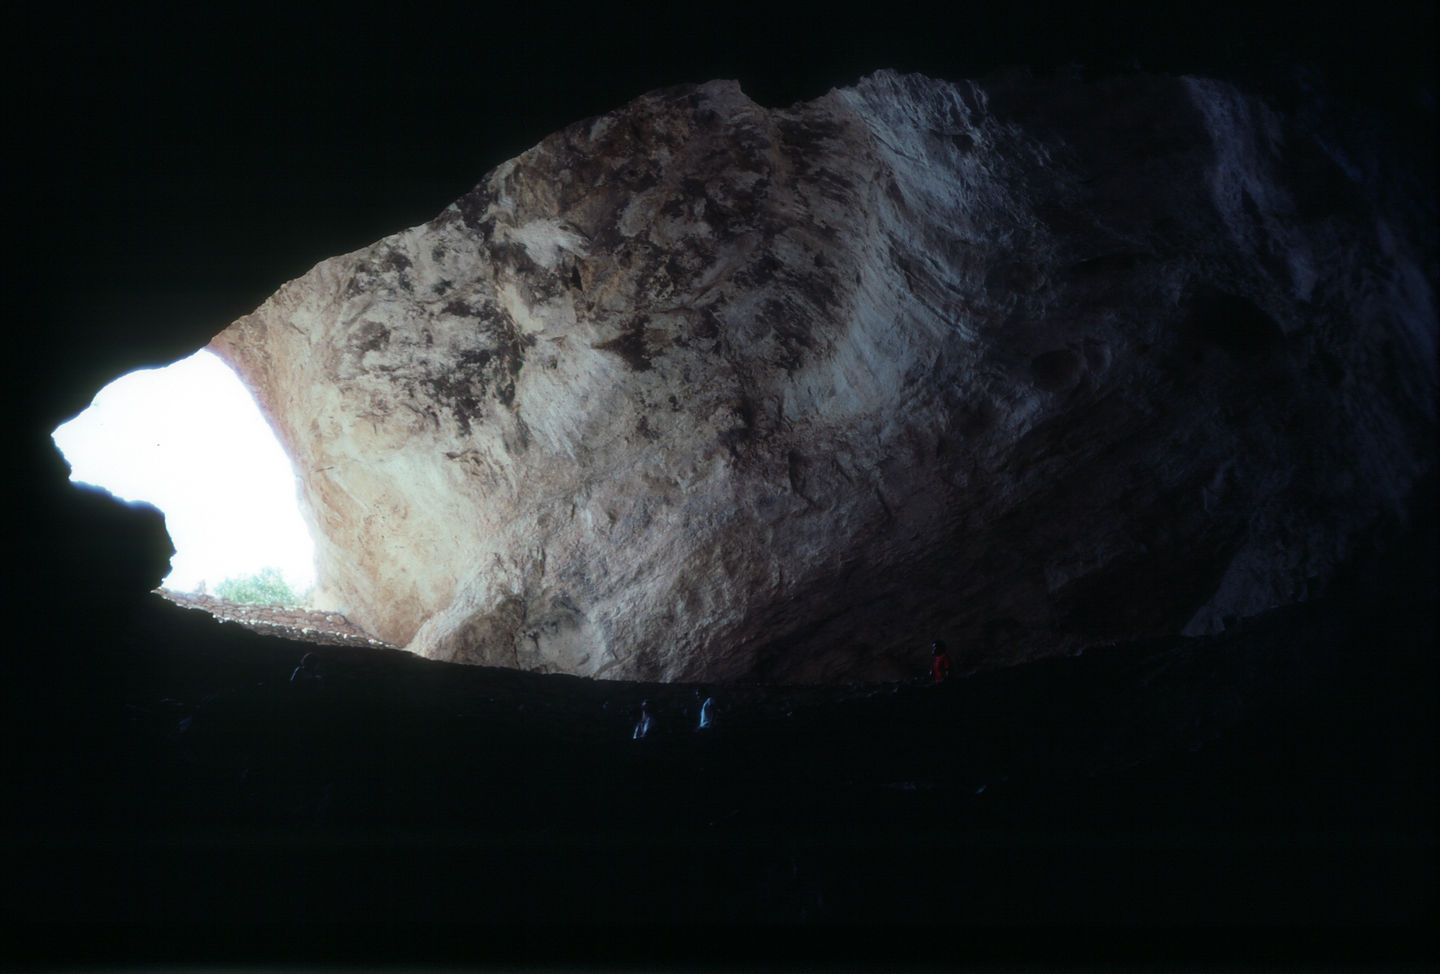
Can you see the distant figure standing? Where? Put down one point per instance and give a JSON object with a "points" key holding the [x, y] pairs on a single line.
{"points": [[644, 725], [707, 712], [308, 672], [939, 661]]}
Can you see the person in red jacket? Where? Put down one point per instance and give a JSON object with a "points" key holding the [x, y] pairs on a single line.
{"points": [[939, 661]]}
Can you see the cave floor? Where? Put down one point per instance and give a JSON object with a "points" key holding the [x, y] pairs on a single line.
{"points": [[1171, 788], [1276, 780]]}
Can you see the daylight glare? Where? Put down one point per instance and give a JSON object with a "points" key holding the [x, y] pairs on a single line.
{"points": [[190, 440]]}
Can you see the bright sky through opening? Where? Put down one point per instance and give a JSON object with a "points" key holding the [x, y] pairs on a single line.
{"points": [[190, 440]]}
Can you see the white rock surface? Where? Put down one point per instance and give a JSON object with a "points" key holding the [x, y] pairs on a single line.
{"points": [[700, 390]]}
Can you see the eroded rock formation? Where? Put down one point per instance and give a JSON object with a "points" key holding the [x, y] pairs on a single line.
{"points": [[701, 390]]}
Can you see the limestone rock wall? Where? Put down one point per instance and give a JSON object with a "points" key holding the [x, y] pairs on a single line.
{"points": [[701, 390]]}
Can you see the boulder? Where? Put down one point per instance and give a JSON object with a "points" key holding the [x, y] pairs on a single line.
{"points": [[703, 391]]}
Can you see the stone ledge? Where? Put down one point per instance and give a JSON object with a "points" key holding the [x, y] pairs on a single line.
{"points": [[284, 621]]}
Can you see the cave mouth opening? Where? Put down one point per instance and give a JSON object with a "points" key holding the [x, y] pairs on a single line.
{"points": [[189, 439]]}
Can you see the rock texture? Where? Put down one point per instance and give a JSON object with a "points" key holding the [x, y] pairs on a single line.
{"points": [[284, 621], [698, 390]]}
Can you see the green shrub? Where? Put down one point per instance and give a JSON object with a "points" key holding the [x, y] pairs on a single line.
{"points": [[267, 587]]}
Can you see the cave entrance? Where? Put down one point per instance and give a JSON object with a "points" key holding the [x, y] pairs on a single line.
{"points": [[189, 439]]}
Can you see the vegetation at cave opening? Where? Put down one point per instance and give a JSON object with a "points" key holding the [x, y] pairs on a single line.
{"points": [[265, 587]]}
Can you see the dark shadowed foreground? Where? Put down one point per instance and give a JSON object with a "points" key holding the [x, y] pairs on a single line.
{"points": [[1269, 789], [1263, 799]]}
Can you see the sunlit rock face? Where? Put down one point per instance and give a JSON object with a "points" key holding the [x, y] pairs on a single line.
{"points": [[701, 390]]}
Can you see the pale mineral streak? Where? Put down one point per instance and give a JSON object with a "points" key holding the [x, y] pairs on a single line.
{"points": [[698, 390]]}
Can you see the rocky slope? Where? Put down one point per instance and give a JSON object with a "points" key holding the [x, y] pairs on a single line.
{"points": [[285, 621], [697, 390], [1274, 775]]}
